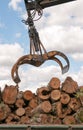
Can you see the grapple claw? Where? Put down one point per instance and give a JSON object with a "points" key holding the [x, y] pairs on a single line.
{"points": [[37, 60], [38, 54], [52, 55]]}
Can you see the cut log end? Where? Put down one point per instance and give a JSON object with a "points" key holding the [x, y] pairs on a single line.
{"points": [[69, 86], [43, 93], [69, 120], [65, 98], [9, 94], [20, 112], [54, 83], [55, 95], [27, 95]]}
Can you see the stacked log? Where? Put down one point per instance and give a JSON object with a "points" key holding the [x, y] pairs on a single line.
{"points": [[56, 103]]}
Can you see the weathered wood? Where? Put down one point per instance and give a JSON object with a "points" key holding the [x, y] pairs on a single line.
{"points": [[24, 120], [54, 83], [74, 104], [9, 94], [59, 110], [43, 118], [44, 107], [20, 111], [69, 120], [12, 118], [79, 94], [55, 95], [28, 110], [65, 98], [57, 121], [69, 85], [33, 103], [43, 93], [49, 105], [27, 95], [4, 111], [19, 103], [79, 116]]}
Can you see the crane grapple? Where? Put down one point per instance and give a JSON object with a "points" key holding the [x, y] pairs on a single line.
{"points": [[38, 54]]}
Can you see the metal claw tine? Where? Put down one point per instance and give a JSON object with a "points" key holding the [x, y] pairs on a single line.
{"points": [[63, 68], [37, 60], [58, 61], [54, 53], [14, 74], [27, 59]]}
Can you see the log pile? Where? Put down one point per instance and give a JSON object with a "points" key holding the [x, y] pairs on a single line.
{"points": [[56, 103]]}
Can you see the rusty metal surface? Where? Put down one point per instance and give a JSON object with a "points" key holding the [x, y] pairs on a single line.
{"points": [[38, 60], [38, 54]]}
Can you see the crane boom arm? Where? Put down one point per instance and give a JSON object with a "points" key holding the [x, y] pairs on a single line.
{"points": [[44, 3]]}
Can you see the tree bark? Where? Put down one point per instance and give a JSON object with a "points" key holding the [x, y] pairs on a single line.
{"points": [[44, 107], [24, 120], [12, 118], [69, 120], [4, 111], [9, 94], [74, 104], [69, 86]]}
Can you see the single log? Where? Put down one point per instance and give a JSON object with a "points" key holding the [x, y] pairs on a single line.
{"points": [[43, 93], [33, 103], [69, 85], [12, 118], [9, 94], [28, 111], [65, 98], [36, 119], [27, 95], [20, 112], [54, 83], [24, 120], [74, 104], [57, 121], [43, 118], [60, 113], [55, 95], [9, 118], [19, 103], [69, 120], [50, 119], [44, 107], [4, 111]]}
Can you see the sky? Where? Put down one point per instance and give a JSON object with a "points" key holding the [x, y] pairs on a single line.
{"points": [[60, 28]]}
